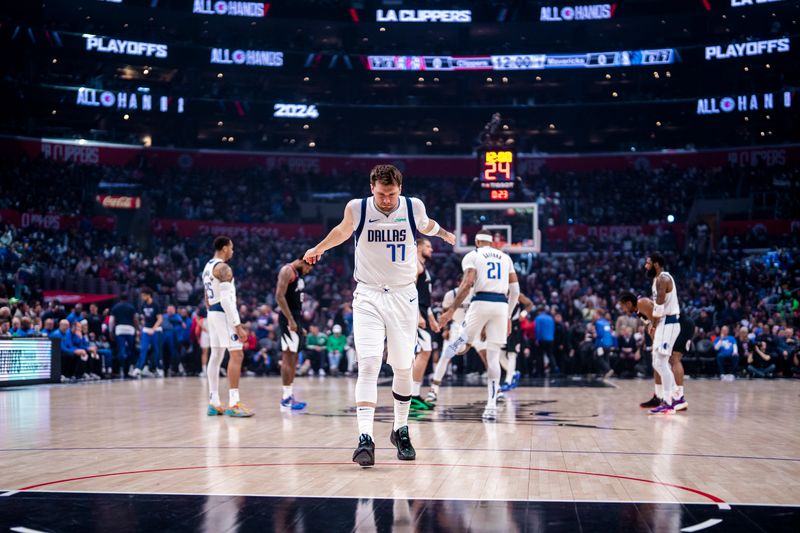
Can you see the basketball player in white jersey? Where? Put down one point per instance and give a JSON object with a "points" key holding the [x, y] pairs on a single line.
{"points": [[385, 300], [453, 332], [225, 330], [666, 319], [490, 273]]}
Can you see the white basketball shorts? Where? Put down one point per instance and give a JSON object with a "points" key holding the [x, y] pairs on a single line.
{"points": [[389, 316], [221, 335], [490, 315]]}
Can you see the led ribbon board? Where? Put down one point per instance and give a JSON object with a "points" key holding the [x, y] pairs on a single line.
{"points": [[25, 360], [665, 56]]}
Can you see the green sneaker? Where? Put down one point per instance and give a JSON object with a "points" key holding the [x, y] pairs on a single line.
{"points": [[215, 410], [421, 405]]}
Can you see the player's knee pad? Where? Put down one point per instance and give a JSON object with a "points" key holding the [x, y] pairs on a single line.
{"points": [[401, 383], [367, 382]]}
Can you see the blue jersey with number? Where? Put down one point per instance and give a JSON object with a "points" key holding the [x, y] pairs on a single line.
{"points": [[386, 248]]}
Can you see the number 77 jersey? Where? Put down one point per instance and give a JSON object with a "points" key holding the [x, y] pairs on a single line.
{"points": [[492, 268], [386, 248]]}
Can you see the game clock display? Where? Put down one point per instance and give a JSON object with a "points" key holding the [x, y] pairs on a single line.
{"points": [[497, 174]]}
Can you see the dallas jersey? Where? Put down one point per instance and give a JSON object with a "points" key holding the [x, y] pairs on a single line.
{"points": [[671, 306], [221, 335], [211, 283], [461, 311], [386, 248], [492, 267], [668, 328]]}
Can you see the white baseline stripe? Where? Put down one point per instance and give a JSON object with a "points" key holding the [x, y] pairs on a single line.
{"points": [[702, 525], [9, 493]]}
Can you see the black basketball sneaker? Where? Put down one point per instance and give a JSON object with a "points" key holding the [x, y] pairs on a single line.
{"points": [[401, 440], [365, 453], [652, 403]]}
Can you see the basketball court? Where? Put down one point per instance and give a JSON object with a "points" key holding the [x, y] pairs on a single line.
{"points": [[564, 454]]}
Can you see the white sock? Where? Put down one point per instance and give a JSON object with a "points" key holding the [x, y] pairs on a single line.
{"points": [[678, 392], [401, 413], [214, 362], [511, 369], [365, 416], [491, 393], [233, 396], [493, 373], [213, 399], [416, 387], [659, 391], [287, 391]]}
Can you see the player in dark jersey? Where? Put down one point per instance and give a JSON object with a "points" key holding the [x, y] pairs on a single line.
{"points": [[289, 294], [427, 325], [509, 353]]}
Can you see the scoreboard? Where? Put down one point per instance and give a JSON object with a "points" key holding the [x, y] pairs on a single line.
{"points": [[498, 174]]}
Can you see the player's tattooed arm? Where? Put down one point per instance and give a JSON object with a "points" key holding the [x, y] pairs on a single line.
{"points": [[223, 272], [663, 284], [284, 278]]}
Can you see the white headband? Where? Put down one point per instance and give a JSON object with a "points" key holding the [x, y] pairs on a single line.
{"points": [[483, 237]]}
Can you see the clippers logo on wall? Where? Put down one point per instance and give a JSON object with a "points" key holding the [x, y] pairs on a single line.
{"points": [[752, 48], [130, 101], [423, 15], [121, 46], [233, 9], [752, 102], [255, 58], [585, 12]]}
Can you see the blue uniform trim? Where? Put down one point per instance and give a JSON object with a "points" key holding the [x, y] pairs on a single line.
{"points": [[672, 319], [411, 220], [489, 297], [216, 307], [362, 219]]}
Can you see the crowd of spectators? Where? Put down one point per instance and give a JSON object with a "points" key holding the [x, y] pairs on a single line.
{"points": [[753, 295]]}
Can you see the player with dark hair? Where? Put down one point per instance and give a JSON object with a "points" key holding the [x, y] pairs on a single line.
{"points": [[225, 329], [289, 295]]}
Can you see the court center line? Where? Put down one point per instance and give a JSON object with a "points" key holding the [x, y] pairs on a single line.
{"points": [[504, 450], [719, 501]]}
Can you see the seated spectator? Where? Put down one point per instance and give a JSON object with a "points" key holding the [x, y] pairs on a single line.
{"points": [[629, 353], [335, 345], [727, 354], [760, 362], [314, 353], [72, 358], [80, 340]]}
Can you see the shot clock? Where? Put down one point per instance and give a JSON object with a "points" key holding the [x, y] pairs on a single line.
{"points": [[497, 174]]}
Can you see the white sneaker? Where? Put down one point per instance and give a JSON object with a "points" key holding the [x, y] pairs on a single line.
{"points": [[146, 372], [202, 374], [431, 397], [159, 373], [489, 414], [321, 373], [136, 374], [94, 376]]}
